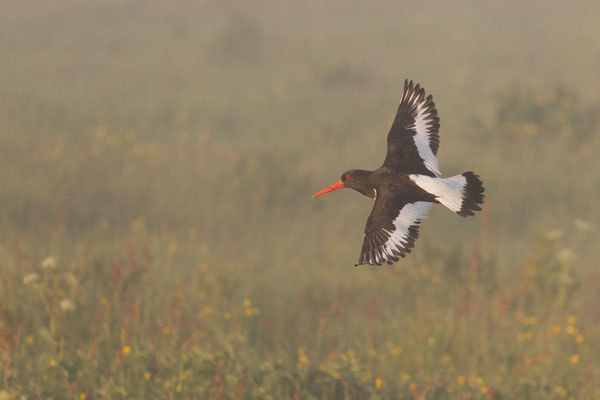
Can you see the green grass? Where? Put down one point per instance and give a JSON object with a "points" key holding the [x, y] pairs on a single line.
{"points": [[154, 317], [164, 158]]}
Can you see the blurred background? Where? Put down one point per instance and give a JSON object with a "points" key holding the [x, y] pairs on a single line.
{"points": [[158, 236]]}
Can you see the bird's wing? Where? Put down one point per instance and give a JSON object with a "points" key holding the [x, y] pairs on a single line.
{"points": [[413, 140], [392, 228]]}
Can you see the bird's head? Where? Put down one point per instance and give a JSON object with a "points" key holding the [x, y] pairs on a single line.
{"points": [[354, 179]]}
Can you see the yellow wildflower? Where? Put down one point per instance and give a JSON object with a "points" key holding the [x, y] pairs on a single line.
{"points": [[53, 363], [461, 380], [252, 311], [560, 390], [574, 359], [484, 389], [302, 358], [571, 320], [147, 376], [412, 386], [446, 358], [571, 330], [393, 349], [29, 339], [207, 310], [82, 396], [524, 336], [126, 350], [431, 341], [378, 383], [579, 338], [247, 303], [226, 316]]}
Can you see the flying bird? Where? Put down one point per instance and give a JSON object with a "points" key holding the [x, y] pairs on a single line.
{"points": [[409, 182]]}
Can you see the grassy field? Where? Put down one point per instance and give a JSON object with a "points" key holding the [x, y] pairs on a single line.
{"points": [[157, 235]]}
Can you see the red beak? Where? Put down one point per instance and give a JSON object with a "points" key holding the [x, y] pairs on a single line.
{"points": [[331, 188]]}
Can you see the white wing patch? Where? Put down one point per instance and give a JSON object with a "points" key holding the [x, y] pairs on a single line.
{"points": [[411, 215], [422, 121], [449, 191]]}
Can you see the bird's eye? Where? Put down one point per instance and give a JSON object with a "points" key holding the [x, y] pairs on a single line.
{"points": [[348, 177]]}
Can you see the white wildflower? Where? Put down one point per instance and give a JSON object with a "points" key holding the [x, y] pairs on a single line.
{"points": [[566, 255], [584, 225], [67, 305], [31, 277], [554, 234], [49, 263]]}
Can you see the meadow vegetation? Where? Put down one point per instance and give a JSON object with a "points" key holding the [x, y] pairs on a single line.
{"points": [[157, 235]]}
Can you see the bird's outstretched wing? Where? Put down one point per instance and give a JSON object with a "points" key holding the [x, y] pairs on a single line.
{"points": [[392, 228], [413, 140]]}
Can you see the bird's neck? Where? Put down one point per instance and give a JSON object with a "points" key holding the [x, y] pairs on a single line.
{"points": [[367, 187]]}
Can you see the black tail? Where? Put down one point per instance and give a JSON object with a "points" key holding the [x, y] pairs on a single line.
{"points": [[472, 195]]}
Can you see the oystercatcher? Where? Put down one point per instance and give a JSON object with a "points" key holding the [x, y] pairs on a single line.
{"points": [[409, 182]]}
